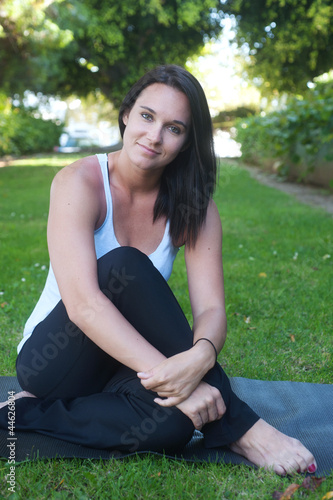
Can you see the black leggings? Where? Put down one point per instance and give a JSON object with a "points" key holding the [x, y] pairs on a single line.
{"points": [[87, 397]]}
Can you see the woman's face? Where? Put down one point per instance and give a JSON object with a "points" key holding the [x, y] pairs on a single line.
{"points": [[157, 127]]}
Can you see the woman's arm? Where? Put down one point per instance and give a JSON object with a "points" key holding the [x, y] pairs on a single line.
{"points": [[206, 286], [177, 377], [75, 212]]}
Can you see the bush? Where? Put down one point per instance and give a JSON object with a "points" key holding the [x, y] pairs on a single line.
{"points": [[22, 133], [226, 119], [299, 132]]}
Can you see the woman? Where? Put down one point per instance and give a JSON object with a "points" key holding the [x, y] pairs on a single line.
{"points": [[107, 351]]}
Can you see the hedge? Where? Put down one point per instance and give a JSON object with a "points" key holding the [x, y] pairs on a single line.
{"points": [[298, 133], [21, 133]]}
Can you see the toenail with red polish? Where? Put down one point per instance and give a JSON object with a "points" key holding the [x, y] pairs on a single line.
{"points": [[312, 468]]}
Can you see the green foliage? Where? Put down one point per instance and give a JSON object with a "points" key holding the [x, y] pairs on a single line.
{"points": [[31, 44], [226, 119], [301, 131], [22, 133], [289, 41], [76, 46]]}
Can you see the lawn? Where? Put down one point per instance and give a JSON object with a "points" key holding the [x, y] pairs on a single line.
{"points": [[278, 262]]}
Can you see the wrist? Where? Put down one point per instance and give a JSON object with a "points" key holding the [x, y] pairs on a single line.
{"points": [[206, 352]]}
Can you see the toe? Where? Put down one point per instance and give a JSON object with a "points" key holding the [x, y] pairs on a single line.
{"points": [[280, 470], [312, 468]]}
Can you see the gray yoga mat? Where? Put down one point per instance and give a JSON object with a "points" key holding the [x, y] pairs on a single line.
{"points": [[301, 410]]}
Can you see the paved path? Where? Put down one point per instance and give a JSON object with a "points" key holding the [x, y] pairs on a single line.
{"points": [[227, 149], [310, 195]]}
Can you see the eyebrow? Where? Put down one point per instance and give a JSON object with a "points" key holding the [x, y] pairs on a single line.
{"points": [[173, 121]]}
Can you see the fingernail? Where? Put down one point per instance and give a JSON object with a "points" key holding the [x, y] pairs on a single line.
{"points": [[312, 468]]}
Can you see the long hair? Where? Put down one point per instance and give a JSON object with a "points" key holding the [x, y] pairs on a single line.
{"points": [[188, 182]]}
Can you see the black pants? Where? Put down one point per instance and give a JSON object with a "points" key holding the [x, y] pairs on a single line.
{"points": [[87, 397]]}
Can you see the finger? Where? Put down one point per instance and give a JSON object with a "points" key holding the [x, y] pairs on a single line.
{"points": [[215, 410], [150, 384], [197, 421], [144, 375], [172, 392], [151, 378], [198, 424], [164, 391], [168, 401], [146, 385], [206, 415], [212, 414], [221, 407], [150, 381]]}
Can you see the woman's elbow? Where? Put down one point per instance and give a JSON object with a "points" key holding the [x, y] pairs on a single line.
{"points": [[83, 312]]}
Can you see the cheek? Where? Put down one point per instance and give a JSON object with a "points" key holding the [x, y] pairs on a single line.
{"points": [[134, 127], [128, 138], [130, 129]]}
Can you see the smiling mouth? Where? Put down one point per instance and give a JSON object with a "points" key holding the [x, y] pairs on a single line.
{"points": [[149, 150]]}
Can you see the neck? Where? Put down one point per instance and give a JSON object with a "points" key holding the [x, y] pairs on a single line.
{"points": [[132, 178]]}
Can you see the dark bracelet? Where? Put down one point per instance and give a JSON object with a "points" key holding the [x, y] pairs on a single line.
{"points": [[204, 338]]}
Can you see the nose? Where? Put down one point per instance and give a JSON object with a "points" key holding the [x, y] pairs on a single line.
{"points": [[155, 135]]}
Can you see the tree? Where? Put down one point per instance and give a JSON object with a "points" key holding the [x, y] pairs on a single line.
{"points": [[30, 46], [289, 41], [75, 46]]}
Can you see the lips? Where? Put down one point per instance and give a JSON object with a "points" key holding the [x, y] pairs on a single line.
{"points": [[148, 150]]}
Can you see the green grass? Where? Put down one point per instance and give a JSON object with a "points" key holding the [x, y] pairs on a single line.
{"points": [[279, 322]]}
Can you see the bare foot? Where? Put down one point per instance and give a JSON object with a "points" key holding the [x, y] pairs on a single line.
{"points": [[18, 395], [267, 447]]}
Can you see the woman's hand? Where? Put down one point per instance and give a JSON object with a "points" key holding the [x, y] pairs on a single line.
{"points": [[203, 406], [178, 376]]}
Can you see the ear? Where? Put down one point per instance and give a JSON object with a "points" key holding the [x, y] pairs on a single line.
{"points": [[125, 118]]}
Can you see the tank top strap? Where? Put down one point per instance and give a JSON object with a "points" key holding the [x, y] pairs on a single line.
{"points": [[103, 162]]}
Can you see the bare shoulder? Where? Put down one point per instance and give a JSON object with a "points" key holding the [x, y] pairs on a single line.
{"points": [[85, 170], [79, 187]]}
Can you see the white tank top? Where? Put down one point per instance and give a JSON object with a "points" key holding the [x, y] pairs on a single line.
{"points": [[105, 240]]}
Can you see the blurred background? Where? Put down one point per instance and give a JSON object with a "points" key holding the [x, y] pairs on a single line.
{"points": [[265, 65]]}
